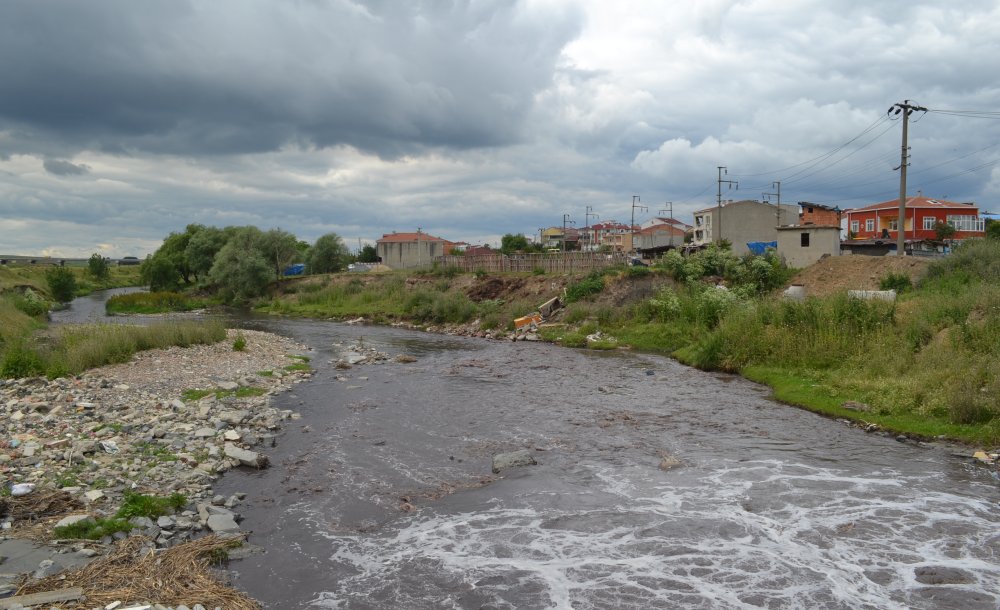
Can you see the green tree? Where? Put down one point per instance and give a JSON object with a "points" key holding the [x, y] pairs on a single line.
{"points": [[368, 254], [98, 267], [62, 284], [240, 267], [993, 229], [174, 250], [159, 273], [327, 254], [201, 249], [280, 248], [943, 230], [510, 243]]}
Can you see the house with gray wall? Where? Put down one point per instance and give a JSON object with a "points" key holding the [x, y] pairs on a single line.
{"points": [[803, 245], [411, 250], [740, 222]]}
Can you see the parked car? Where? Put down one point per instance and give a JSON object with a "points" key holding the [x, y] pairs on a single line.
{"points": [[637, 262], [128, 260]]}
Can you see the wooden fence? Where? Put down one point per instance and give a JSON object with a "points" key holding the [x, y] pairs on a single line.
{"points": [[550, 262]]}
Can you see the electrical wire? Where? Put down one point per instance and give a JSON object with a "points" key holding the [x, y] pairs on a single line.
{"points": [[825, 155]]}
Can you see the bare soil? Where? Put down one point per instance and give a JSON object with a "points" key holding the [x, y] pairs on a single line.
{"points": [[837, 274]]}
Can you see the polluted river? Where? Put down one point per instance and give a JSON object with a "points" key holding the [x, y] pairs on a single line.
{"points": [[655, 486]]}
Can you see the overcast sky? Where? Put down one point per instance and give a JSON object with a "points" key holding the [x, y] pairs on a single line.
{"points": [[121, 121]]}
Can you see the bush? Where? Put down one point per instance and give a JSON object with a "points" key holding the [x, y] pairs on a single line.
{"points": [[592, 284], [21, 361], [62, 284], [900, 282], [31, 304], [240, 343], [98, 267]]}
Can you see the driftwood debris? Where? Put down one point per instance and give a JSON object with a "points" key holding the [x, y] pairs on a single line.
{"points": [[46, 597]]}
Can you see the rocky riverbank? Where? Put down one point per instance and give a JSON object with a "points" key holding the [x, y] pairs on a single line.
{"points": [[168, 422]]}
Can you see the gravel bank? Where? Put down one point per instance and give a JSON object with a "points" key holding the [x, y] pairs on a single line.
{"points": [[129, 427]]}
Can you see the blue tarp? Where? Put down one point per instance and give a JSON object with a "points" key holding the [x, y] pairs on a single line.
{"points": [[760, 247], [297, 269]]}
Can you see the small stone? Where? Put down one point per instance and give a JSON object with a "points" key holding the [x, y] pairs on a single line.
{"points": [[503, 461], [669, 462], [94, 495], [71, 519]]}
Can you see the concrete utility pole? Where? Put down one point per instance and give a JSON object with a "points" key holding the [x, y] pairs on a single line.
{"points": [[777, 193], [565, 220], [420, 255], [586, 219], [723, 170], [631, 227], [671, 210], [906, 109]]}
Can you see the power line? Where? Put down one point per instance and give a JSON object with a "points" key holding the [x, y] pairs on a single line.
{"points": [[969, 114], [821, 157]]}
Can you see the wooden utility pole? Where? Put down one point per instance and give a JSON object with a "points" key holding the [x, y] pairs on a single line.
{"points": [[906, 109]]}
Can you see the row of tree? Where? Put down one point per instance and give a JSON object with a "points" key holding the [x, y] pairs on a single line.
{"points": [[240, 261]]}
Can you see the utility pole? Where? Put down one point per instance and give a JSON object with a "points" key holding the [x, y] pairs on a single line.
{"points": [[777, 211], [906, 109], [723, 170], [631, 227], [586, 219], [671, 210], [420, 255], [565, 220]]}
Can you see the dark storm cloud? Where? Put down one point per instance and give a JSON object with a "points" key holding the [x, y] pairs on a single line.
{"points": [[64, 168], [190, 77]]}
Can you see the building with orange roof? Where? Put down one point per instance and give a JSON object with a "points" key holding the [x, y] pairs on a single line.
{"points": [[881, 220], [411, 250]]}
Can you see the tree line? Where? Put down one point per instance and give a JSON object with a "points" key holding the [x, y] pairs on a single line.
{"points": [[240, 262]]}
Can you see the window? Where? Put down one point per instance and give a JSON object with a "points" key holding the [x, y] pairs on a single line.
{"points": [[894, 224], [855, 225], [929, 223], [804, 239], [870, 224], [967, 223]]}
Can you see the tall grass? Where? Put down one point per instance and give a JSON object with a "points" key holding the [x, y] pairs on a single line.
{"points": [[74, 349], [153, 302]]}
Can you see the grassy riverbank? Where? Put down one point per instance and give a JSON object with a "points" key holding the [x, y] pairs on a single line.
{"points": [[926, 365], [28, 347]]}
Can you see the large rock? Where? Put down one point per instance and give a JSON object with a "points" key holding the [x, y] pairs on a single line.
{"points": [[503, 461], [245, 456], [222, 523]]}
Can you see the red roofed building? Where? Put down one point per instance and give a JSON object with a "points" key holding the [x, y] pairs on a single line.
{"points": [[880, 220], [411, 250]]}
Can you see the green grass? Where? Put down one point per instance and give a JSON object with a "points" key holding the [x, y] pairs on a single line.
{"points": [[155, 451], [70, 350], [193, 395], [817, 394], [153, 302], [133, 505]]}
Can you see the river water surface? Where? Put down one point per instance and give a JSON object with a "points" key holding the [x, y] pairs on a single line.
{"points": [[382, 496]]}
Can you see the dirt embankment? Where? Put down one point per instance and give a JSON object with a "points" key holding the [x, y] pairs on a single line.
{"points": [[856, 272]]}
